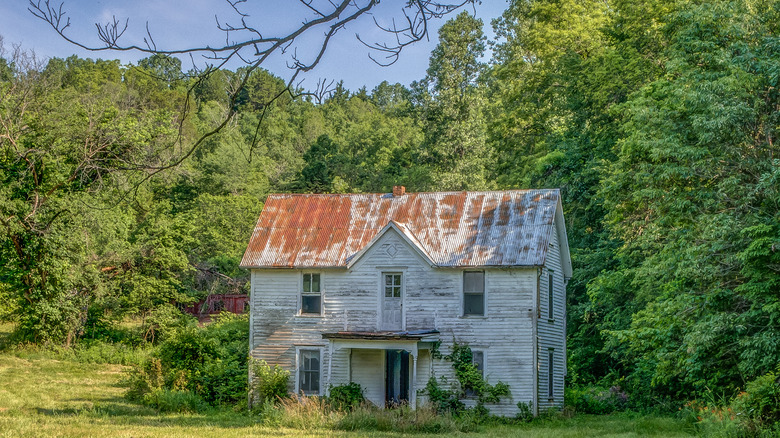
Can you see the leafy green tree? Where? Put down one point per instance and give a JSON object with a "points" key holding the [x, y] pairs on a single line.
{"points": [[324, 161], [689, 195], [452, 104], [68, 126]]}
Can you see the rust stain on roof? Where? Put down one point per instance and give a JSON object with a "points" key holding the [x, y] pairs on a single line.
{"points": [[498, 228]]}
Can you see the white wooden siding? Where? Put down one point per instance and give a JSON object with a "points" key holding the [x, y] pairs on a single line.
{"points": [[368, 370], [432, 300], [552, 331]]}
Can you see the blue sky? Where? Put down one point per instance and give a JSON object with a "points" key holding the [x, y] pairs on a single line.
{"points": [[184, 23]]}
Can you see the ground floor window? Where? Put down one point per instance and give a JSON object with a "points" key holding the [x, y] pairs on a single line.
{"points": [[309, 372], [550, 363], [478, 359]]}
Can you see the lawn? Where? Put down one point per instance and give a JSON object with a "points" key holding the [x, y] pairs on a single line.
{"points": [[41, 396]]}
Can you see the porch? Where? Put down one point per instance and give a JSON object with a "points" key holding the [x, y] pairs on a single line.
{"points": [[390, 366]]}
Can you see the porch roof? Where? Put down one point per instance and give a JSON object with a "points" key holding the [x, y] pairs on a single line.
{"points": [[413, 335]]}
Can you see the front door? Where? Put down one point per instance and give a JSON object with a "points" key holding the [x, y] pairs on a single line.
{"points": [[392, 296], [396, 377]]}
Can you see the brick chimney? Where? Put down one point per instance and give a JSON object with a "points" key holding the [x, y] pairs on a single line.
{"points": [[399, 191]]}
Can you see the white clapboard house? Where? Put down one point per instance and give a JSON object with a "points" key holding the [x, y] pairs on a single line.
{"points": [[360, 288]]}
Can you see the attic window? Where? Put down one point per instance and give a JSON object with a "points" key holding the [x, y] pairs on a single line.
{"points": [[311, 297]]}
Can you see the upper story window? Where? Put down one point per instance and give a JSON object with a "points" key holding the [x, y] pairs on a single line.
{"points": [[474, 293], [550, 296], [393, 285], [311, 295], [309, 372]]}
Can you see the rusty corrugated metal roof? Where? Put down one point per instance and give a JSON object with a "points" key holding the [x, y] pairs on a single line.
{"points": [[455, 229]]}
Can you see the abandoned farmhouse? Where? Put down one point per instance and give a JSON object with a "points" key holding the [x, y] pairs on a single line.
{"points": [[366, 288]]}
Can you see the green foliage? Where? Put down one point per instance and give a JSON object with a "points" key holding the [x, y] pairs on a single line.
{"points": [[444, 400], [525, 410], [470, 377], [164, 322], [470, 383], [269, 384], [595, 400], [452, 104], [759, 404], [210, 362], [345, 397]]}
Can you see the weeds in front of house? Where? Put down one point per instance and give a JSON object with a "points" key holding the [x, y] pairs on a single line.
{"points": [[754, 412], [309, 413]]}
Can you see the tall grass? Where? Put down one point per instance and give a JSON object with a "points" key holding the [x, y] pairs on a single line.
{"points": [[310, 413], [91, 352]]}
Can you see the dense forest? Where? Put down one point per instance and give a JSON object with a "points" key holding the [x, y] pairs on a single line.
{"points": [[657, 119]]}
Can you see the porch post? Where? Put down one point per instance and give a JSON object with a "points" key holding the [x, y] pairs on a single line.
{"points": [[412, 386]]}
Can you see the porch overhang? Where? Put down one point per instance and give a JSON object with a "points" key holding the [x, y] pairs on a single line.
{"points": [[414, 335], [410, 341]]}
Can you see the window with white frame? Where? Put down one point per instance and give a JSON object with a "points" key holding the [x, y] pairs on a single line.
{"points": [[550, 295], [311, 295], [550, 372], [393, 285], [309, 372], [474, 293], [478, 359]]}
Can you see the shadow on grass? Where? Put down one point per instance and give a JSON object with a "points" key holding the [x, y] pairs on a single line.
{"points": [[120, 411]]}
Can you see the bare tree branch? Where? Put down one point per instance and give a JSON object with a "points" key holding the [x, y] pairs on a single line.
{"points": [[246, 43]]}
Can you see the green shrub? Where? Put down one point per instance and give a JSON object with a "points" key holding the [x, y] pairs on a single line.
{"points": [[596, 400], [144, 379], [188, 349], [165, 321], [525, 410], [761, 400], [469, 382], [346, 397], [443, 400], [269, 384], [210, 362]]}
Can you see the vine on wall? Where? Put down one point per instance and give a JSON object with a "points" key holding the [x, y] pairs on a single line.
{"points": [[470, 383]]}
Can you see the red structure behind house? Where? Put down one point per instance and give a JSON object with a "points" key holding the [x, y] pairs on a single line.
{"points": [[216, 303]]}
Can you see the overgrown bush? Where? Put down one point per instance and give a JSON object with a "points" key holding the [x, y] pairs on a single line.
{"points": [[755, 412], [596, 400], [441, 399], [469, 383], [346, 397], [269, 384], [525, 410], [165, 321], [209, 362], [760, 402]]}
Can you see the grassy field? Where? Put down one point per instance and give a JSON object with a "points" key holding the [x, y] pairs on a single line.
{"points": [[43, 397]]}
